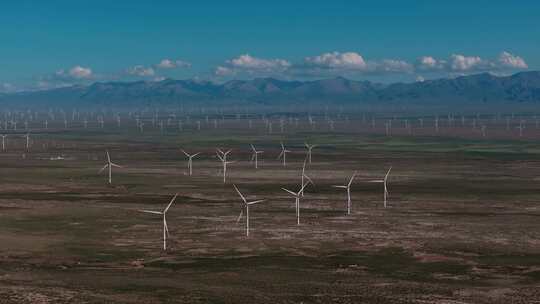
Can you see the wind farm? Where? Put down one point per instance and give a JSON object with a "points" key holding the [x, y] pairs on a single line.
{"points": [[364, 211]]}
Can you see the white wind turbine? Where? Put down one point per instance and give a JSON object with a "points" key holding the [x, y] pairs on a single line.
{"points": [[348, 188], [4, 142], [309, 149], [190, 161], [385, 181], [283, 154], [255, 156], [164, 213], [27, 136], [296, 195], [109, 165], [246, 205], [223, 158]]}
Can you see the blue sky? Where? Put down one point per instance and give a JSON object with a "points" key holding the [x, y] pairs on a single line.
{"points": [[57, 43]]}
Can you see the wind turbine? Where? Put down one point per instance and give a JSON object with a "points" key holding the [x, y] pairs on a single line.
{"points": [[296, 195], [4, 142], [385, 181], [283, 154], [164, 213], [255, 156], [223, 158], [309, 149], [190, 161], [246, 205], [348, 188], [223, 153], [27, 136], [109, 165]]}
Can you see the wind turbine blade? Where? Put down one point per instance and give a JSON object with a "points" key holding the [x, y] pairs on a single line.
{"points": [[192, 156], [280, 155], [240, 216], [376, 181], [220, 158], [255, 202], [352, 178], [343, 187], [239, 193], [165, 226], [108, 156], [104, 167], [150, 211], [386, 176], [253, 148], [170, 203], [115, 165], [289, 191], [185, 152], [219, 150], [309, 179]]}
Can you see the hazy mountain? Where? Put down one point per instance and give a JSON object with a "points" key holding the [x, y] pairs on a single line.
{"points": [[480, 88]]}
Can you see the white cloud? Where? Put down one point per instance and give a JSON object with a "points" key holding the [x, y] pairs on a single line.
{"points": [[511, 61], [252, 63], [223, 71], [79, 72], [337, 60], [247, 64], [74, 74], [141, 71], [430, 63], [420, 78], [172, 64], [393, 65], [460, 62]]}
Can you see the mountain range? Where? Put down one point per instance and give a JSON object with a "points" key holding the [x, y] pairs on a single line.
{"points": [[522, 87]]}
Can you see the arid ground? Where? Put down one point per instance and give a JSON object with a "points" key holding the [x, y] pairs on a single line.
{"points": [[462, 223]]}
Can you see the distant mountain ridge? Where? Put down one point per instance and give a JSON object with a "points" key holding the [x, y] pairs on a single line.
{"points": [[479, 88]]}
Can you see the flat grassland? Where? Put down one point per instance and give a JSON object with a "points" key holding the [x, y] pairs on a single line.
{"points": [[462, 223]]}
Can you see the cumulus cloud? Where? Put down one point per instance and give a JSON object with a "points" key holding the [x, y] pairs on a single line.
{"points": [[348, 64], [223, 71], [64, 77], [249, 62], [75, 73], [172, 64], [430, 63], [460, 62], [252, 65], [393, 65], [141, 71], [337, 60], [511, 61], [79, 72]]}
